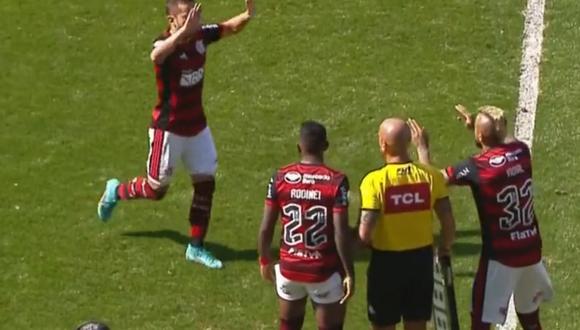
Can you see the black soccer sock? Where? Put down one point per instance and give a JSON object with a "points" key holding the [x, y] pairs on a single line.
{"points": [[334, 327], [530, 321], [200, 211], [294, 324]]}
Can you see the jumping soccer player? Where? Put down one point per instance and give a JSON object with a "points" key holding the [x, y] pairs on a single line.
{"points": [[500, 178], [397, 204], [315, 248], [179, 129]]}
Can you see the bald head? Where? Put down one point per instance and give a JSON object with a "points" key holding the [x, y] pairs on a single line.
{"points": [[394, 137]]}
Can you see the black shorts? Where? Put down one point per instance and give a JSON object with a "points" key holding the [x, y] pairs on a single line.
{"points": [[400, 284]]}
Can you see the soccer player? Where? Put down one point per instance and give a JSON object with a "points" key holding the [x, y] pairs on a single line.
{"points": [[500, 178], [315, 249], [179, 130], [397, 203]]}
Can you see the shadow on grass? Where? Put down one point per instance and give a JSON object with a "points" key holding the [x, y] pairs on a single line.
{"points": [[460, 249], [467, 233], [468, 274], [221, 251]]}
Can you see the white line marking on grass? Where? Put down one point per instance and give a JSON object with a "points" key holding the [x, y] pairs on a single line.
{"points": [[528, 97], [530, 71]]}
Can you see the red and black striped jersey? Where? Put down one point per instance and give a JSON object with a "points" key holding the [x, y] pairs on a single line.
{"points": [[179, 107], [308, 196], [501, 181]]}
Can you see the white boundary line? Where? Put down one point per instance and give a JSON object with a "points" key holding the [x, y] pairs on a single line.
{"points": [[530, 71], [528, 97]]}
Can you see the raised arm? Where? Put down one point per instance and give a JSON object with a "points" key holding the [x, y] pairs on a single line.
{"points": [[447, 235], [163, 48], [265, 237], [237, 23], [420, 139]]}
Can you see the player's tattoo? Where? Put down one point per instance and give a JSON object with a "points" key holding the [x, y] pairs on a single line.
{"points": [[368, 216]]}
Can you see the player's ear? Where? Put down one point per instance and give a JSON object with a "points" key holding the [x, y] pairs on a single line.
{"points": [[171, 20]]}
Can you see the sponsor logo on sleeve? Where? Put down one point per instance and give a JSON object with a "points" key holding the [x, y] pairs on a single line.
{"points": [[462, 173], [293, 177], [270, 194]]}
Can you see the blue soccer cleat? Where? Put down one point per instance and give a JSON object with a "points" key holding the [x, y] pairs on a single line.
{"points": [[200, 255], [108, 200]]}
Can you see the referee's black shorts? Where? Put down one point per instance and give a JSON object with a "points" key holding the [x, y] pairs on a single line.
{"points": [[400, 285]]}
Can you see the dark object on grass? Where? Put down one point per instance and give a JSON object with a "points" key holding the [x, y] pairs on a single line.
{"points": [[93, 325]]}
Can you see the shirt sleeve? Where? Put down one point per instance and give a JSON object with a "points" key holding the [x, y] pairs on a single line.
{"points": [[463, 173], [370, 197], [271, 193], [211, 33], [341, 198], [439, 186]]}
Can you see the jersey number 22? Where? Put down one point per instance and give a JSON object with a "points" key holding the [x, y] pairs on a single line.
{"points": [[313, 235]]}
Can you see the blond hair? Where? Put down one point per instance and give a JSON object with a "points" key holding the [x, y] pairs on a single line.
{"points": [[498, 117]]}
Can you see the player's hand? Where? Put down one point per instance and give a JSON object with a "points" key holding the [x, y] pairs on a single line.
{"points": [[250, 8], [193, 21], [348, 287], [419, 135], [267, 272], [464, 115]]}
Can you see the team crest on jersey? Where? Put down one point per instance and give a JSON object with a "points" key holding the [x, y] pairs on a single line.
{"points": [[497, 161], [293, 177], [200, 47]]}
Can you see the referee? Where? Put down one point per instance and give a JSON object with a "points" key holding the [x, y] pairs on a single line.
{"points": [[397, 203]]}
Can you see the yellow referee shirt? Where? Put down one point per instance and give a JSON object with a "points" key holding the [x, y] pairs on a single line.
{"points": [[405, 195]]}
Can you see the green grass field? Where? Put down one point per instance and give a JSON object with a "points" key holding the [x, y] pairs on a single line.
{"points": [[77, 88]]}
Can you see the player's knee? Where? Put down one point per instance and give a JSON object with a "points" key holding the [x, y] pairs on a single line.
{"points": [[291, 324], [158, 189], [160, 193]]}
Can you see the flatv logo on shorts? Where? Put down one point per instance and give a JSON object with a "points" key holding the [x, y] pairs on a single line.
{"points": [[293, 177], [408, 198]]}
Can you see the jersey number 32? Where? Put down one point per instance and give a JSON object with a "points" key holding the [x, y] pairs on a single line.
{"points": [[518, 208]]}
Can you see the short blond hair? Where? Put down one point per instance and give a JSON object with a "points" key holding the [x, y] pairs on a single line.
{"points": [[498, 117]]}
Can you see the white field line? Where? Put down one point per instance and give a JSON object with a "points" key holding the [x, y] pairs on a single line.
{"points": [[530, 71], [528, 96]]}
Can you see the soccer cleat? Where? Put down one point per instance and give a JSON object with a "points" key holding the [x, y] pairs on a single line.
{"points": [[108, 201], [200, 255]]}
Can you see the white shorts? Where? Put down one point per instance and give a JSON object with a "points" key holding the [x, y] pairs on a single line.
{"points": [[495, 283], [197, 153], [327, 292]]}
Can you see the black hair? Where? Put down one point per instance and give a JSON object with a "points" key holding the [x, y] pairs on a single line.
{"points": [[313, 137], [93, 325], [171, 3]]}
